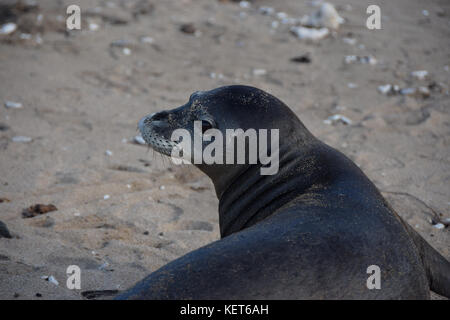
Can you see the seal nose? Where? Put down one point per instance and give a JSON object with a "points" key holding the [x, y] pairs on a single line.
{"points": [[154, 119], [141, 123]]}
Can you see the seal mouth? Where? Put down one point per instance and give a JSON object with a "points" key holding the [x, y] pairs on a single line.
{"points": [[150, 129]]}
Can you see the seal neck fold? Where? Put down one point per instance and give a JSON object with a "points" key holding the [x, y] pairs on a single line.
{"points": [[252, 197]]}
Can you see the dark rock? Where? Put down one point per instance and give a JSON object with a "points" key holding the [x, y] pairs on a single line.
{"points": [[38, 209], [98, 293], [188, 28], [4, 232], [301, 59]]}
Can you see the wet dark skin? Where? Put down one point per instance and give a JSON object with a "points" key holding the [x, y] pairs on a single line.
{"points": [[308, 232]]}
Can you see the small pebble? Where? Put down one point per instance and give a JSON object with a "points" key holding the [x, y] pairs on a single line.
{"points": [[106, 196], [149, 40], [108, 153], [266, 10], [350, 41], [25, 36]]}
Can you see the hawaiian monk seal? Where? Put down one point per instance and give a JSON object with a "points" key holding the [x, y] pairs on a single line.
{"points": [[310, 231]]}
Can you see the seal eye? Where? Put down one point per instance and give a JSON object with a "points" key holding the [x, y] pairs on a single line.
{"points": [[206, 125]]}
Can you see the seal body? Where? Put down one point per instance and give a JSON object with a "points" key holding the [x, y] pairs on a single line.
{"points": [[310, 231]]}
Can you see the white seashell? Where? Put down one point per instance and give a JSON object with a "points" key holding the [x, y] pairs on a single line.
{"points": [[350, 59], [360, 59], [420, 74], [52, 279], [439, 226], [337, 118], [326, 16], [385, 89], [408, 91], [310, 34], [126, 51], [93, 26], [13, 105], [282, 15], [8, 28], [244, 4], [259, 72], [138, 139], [39, 39], [108, 153], [106, 196], [352, 85]]}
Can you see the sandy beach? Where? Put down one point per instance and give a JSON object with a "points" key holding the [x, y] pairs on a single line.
{"points": [[71, 100]]}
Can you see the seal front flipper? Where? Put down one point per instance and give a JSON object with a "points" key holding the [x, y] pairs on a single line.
{"points": [[436, 266], [291, 255]]}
